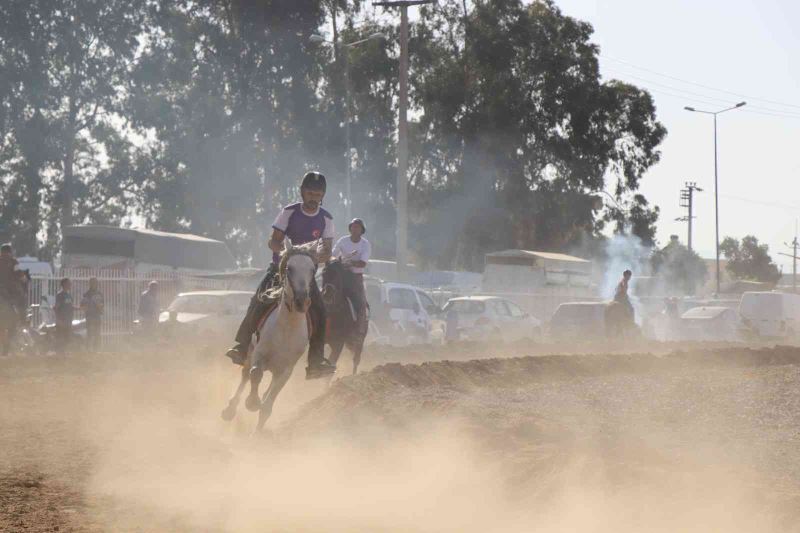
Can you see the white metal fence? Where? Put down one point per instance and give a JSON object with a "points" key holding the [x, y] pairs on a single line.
{"points": [[121, 290]]}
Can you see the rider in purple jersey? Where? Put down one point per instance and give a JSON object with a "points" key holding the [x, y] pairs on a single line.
{"points": [[302, 223]]}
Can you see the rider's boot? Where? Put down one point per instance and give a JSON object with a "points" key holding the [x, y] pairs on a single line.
{"points": [[318, 366], [238, 353]]}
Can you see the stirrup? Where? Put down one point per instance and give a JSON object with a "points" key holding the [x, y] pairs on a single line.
{"points": [[236, 355]]}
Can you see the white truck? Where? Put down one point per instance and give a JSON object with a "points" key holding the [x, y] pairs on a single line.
{"points": [[771, 314]]}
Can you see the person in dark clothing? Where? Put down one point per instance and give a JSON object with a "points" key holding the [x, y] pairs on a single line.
{"points": [[8, 264], [621, 292], [92, 305], [148, 307], [302, 223], [9, 280], [64, 310]]}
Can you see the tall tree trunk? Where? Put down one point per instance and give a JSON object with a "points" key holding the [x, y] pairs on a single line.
{"points": [[67, 185]]}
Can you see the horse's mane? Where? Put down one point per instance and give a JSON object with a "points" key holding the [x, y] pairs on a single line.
{"points": [[348, 278]]}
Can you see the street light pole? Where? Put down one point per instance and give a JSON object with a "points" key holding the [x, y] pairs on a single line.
{"points": [[716, 203], [401, 253], [348, 105], [716, 176]]}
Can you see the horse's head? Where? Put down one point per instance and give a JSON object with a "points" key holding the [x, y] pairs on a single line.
{"points": [[333, 281], [297, 267]]}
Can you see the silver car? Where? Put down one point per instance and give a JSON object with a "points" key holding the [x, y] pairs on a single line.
{"points": [[488, 317]]}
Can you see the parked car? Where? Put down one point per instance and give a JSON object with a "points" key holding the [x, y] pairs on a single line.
{"points": [[489, 317], [770, 314], [215, 314], [710, 324], [579, 320], [402, 314]]}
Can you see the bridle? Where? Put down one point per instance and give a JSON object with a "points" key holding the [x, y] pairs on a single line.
{"points": [[333, 288], [282, 266]]}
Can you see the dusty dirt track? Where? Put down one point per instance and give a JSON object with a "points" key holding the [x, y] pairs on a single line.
{"points": [[613, 438]]}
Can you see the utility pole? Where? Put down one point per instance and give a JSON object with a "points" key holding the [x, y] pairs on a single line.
{"points": [[401, 199], [687, 201], [794, 245]]}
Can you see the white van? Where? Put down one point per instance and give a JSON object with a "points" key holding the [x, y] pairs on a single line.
{"points": [[771, 314]]}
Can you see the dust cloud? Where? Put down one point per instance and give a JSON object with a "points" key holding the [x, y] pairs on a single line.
{"points": [[695, 441]]}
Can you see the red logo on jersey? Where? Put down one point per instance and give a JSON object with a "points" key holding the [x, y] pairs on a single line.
{"points": [[316, 233]]}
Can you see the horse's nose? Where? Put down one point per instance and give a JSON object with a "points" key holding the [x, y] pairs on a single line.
{"points": [[300, 300]]}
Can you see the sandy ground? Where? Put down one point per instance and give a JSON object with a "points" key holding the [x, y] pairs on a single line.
{"points": [[622, 438]]}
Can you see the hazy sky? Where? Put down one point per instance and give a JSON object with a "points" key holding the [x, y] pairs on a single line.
{"points": [[747, 47]]}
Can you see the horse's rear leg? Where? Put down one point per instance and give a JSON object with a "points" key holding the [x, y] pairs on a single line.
{"points": [[253, 403], [357, 356], [276, 385], [229, 412]]}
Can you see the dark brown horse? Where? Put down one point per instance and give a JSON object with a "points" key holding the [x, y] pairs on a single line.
{"points": [[619, 321], [344, 327]]}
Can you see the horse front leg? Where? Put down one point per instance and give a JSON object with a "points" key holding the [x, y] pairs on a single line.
{"points": [[253, 403], [336, 351], [276, 385], [230, 411]]}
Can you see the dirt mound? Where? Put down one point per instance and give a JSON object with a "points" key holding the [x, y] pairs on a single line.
{"points": [[395, 392]]}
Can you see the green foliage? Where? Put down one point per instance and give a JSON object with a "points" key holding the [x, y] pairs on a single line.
{"points": [[681, 269], [519, 131], [200, 115], [65, 65], [749, 260]]}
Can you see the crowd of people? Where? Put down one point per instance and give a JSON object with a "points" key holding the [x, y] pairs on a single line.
{"points": [[14, 293]]}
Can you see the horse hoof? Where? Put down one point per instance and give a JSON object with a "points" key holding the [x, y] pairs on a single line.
{"points": [[252, 403], [228, 413]]}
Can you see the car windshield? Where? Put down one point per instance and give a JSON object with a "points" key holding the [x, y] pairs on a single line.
{"points": [[467, 307], [195, 303], [575, 313]]}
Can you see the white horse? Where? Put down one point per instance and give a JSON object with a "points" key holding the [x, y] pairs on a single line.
{"points": [[283, 337]]}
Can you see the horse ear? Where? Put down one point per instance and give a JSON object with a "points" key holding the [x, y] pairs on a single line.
{"points": [[287, 245]]}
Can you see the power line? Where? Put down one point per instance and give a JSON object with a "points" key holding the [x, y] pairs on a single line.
{"points": [[645, 69], [760, 202], [706, 101], [777, 112]]}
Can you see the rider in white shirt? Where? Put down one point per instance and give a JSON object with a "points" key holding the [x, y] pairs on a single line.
{"points": [[354, 251]]}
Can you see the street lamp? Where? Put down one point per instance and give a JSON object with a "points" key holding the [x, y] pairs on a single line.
{"points": [[322, 40], [716, 191]]}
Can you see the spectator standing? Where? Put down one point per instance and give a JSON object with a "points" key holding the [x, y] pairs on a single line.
{"points": [[148, 307], [92, 305], [451, 326], [64, 310]]}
